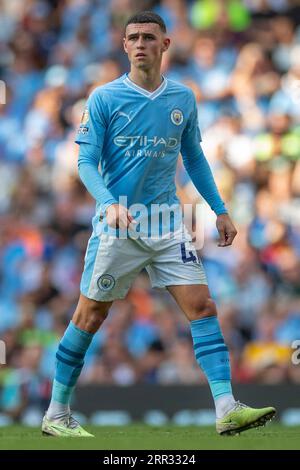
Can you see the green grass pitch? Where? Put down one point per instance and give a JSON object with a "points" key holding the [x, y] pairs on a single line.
{"points": [[140, 436]]}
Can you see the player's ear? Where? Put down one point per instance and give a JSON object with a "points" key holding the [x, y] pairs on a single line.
{"points": [[124, 44], [166, 44]]}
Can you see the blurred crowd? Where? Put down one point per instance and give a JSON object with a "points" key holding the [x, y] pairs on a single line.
{"points": [[242, 60]]}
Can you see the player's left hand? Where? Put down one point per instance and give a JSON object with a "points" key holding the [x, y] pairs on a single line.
{"points": [[226, 229]]}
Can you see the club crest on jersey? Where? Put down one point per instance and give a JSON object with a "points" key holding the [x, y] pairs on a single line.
{"points": [[177, 117], [106, 282]]}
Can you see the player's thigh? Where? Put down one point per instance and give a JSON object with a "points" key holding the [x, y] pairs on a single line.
{"points": [[178, 268], [111, 265]]}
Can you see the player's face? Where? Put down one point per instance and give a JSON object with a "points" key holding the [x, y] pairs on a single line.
{"points": [[145, 44]]}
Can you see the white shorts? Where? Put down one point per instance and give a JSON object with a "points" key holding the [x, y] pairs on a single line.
{"points": [[112, 264]]}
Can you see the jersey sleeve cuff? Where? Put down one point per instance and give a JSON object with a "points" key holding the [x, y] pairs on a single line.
{"points": [[221, 211]]}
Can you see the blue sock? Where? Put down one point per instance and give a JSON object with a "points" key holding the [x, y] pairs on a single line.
{"points": [[69, 362], [212, 355]]}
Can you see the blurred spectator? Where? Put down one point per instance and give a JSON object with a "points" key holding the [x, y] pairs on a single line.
{"points": [[266, 359]]}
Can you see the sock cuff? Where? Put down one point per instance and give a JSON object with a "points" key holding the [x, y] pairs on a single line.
{"points": [[75, 338], [83, 333], [205, 326]]}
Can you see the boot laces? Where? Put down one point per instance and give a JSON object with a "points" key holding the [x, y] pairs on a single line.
{"points": [[71, 422], [240, 405]]}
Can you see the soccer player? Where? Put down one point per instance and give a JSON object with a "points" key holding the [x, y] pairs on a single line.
{"points": [[135, 127]]}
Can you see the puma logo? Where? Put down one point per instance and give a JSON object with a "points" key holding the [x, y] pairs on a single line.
{"points": [[121, 113]]}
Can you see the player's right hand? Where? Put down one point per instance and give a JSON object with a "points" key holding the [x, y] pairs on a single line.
{"points": [[118, 216]]}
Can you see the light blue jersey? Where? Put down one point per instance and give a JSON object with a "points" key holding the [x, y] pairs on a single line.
{"points": [[136, 137], [139, 135]]}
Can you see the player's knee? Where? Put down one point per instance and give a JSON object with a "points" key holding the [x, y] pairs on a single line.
{"points": [[90, 317], [94, 319], [203, 308]]}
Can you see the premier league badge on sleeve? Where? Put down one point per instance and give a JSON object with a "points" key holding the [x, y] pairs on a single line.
{"points": [[83, 128], [85, 117], [177, 117]]}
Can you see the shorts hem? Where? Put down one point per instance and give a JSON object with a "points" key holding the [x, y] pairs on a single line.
{"points": [[105, 299], [176, 283]]}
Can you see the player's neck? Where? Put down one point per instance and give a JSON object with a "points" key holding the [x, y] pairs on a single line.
{"points": [[149, 80]]}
